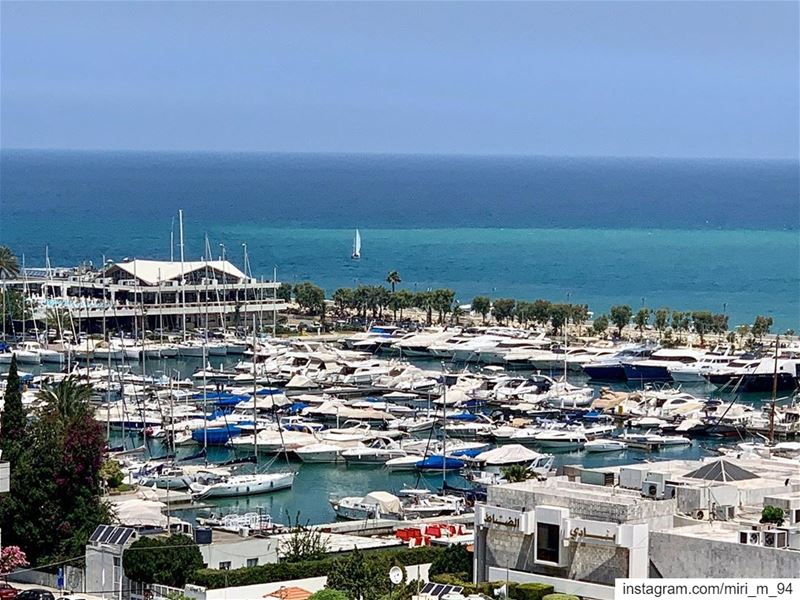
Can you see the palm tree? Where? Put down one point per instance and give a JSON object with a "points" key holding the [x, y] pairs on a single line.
{"points": [[67, 399], [516, 473], [9, 267], [393, 278]]}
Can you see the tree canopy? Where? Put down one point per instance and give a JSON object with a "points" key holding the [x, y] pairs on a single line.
{"points": [[620, 316], [165, 560]]}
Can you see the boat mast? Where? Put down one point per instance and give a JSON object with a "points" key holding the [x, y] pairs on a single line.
{"points": [[444, 427], [774, 392], [274, 300], [255, 397], [183, 283]]}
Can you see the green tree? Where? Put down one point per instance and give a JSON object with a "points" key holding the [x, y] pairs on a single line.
{"points": [[719, 324], [772, 514], [503, 309], [516, 473], [579, 314], [9, 266], [443, 302], [14, 419], [164, 560], [661, 320], [402, 300], [620, 317], [541, 311], [310, 297], [303, 543], [425, 301], [343, 298], [284, 292], [761, 326], [328, 594], [642, 319], [393, 278], [455, 559], [703, 323], [111, 474], [359, 577], [523, 311], [482, 305], [559, 313], [56, 500], [600, 325]]}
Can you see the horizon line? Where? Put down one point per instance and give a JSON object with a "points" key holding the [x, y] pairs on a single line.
{"points": [[405, 154]]}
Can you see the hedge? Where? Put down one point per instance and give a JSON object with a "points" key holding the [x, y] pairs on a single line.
{"points": [[531, 591], [560, 597], [286, 571]]}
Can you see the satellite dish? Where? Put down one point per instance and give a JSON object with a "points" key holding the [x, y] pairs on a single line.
{"points": [[396, 575]]}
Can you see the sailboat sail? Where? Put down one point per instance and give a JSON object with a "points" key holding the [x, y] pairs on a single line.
{"points": [[357, 245]]}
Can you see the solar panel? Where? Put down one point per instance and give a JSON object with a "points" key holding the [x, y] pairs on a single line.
{"points": [[439, 589], [109, 534]]}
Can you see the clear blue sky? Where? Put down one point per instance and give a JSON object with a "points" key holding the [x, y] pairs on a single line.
{"points": [[583, 78]]}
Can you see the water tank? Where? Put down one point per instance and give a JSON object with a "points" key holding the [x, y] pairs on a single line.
{"points": [[202, 535]]}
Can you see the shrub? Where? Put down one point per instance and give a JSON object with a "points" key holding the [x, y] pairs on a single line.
{"points": [[286, 571], [531, 591], [560, 597], [487, 588], [454, 559], [328, 594], [772, 514]]}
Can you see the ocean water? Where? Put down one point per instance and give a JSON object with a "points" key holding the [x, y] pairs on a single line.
{"points": [[685, 234]]}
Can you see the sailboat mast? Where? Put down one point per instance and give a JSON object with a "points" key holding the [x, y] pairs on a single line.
{"points": [[774, 392], [274, 301], [444, 427], [183, 283], [255, 397]]}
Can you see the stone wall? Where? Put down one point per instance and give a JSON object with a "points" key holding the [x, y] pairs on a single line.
{"points": [[674, 555], [598, 563]]}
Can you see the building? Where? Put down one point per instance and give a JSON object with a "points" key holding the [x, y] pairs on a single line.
{"points": [[580, 533], [152, 294], [5, 486]]}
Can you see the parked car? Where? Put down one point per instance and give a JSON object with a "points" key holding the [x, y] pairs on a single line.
{"points": [[7, 592], [34, 594]]}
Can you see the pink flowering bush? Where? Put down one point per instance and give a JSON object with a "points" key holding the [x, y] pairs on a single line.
{"points": [[12, 558]]}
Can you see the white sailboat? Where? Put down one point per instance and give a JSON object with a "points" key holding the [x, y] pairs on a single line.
{"points": [[356, 246]]}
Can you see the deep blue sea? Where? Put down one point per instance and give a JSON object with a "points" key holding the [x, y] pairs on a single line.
{"points": [[685, 234]]}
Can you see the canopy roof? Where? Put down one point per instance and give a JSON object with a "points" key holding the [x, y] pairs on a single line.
{"points": [[152, 272], [388, 503], [721, 470], [508, 455]]}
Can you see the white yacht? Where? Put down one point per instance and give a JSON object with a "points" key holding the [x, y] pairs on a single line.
{"points": [[243, 485], [319, 453]]}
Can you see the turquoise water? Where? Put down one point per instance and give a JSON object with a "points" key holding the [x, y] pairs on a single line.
{"points": [[686, 234]]}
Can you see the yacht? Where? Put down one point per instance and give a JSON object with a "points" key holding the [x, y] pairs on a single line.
{"points": [[610, 368], [319, 453], [374, 505], [757, 375], [694, 372], [377, 452], [605, 445], [561, 439], [242, 485], [657, 367]]}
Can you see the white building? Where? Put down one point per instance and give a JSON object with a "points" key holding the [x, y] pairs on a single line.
{"points": [[153, 293], [670, 519]]}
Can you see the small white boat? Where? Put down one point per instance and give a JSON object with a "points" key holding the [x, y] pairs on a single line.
{"points": [[319, 453], [377, 452], [403, 463], [372, 506], [604, 445], [356, 246], [244, 485], [562, 440]]}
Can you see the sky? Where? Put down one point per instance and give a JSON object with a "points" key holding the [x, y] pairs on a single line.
{"points": [[707, 79]]}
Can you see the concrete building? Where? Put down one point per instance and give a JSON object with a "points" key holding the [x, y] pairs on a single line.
{"points": [[5, 483], [668, 519], [152, 293]]}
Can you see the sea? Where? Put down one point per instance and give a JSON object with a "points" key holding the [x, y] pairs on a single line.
{"points": [[719, 235], [687, 234]]}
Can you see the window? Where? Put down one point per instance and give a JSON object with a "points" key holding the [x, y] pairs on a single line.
{"points": [[252, 562], [548, 540], [797, 516], [225, 565]]}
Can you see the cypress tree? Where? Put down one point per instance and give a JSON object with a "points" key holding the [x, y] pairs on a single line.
{"points": [[14, 419]]}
